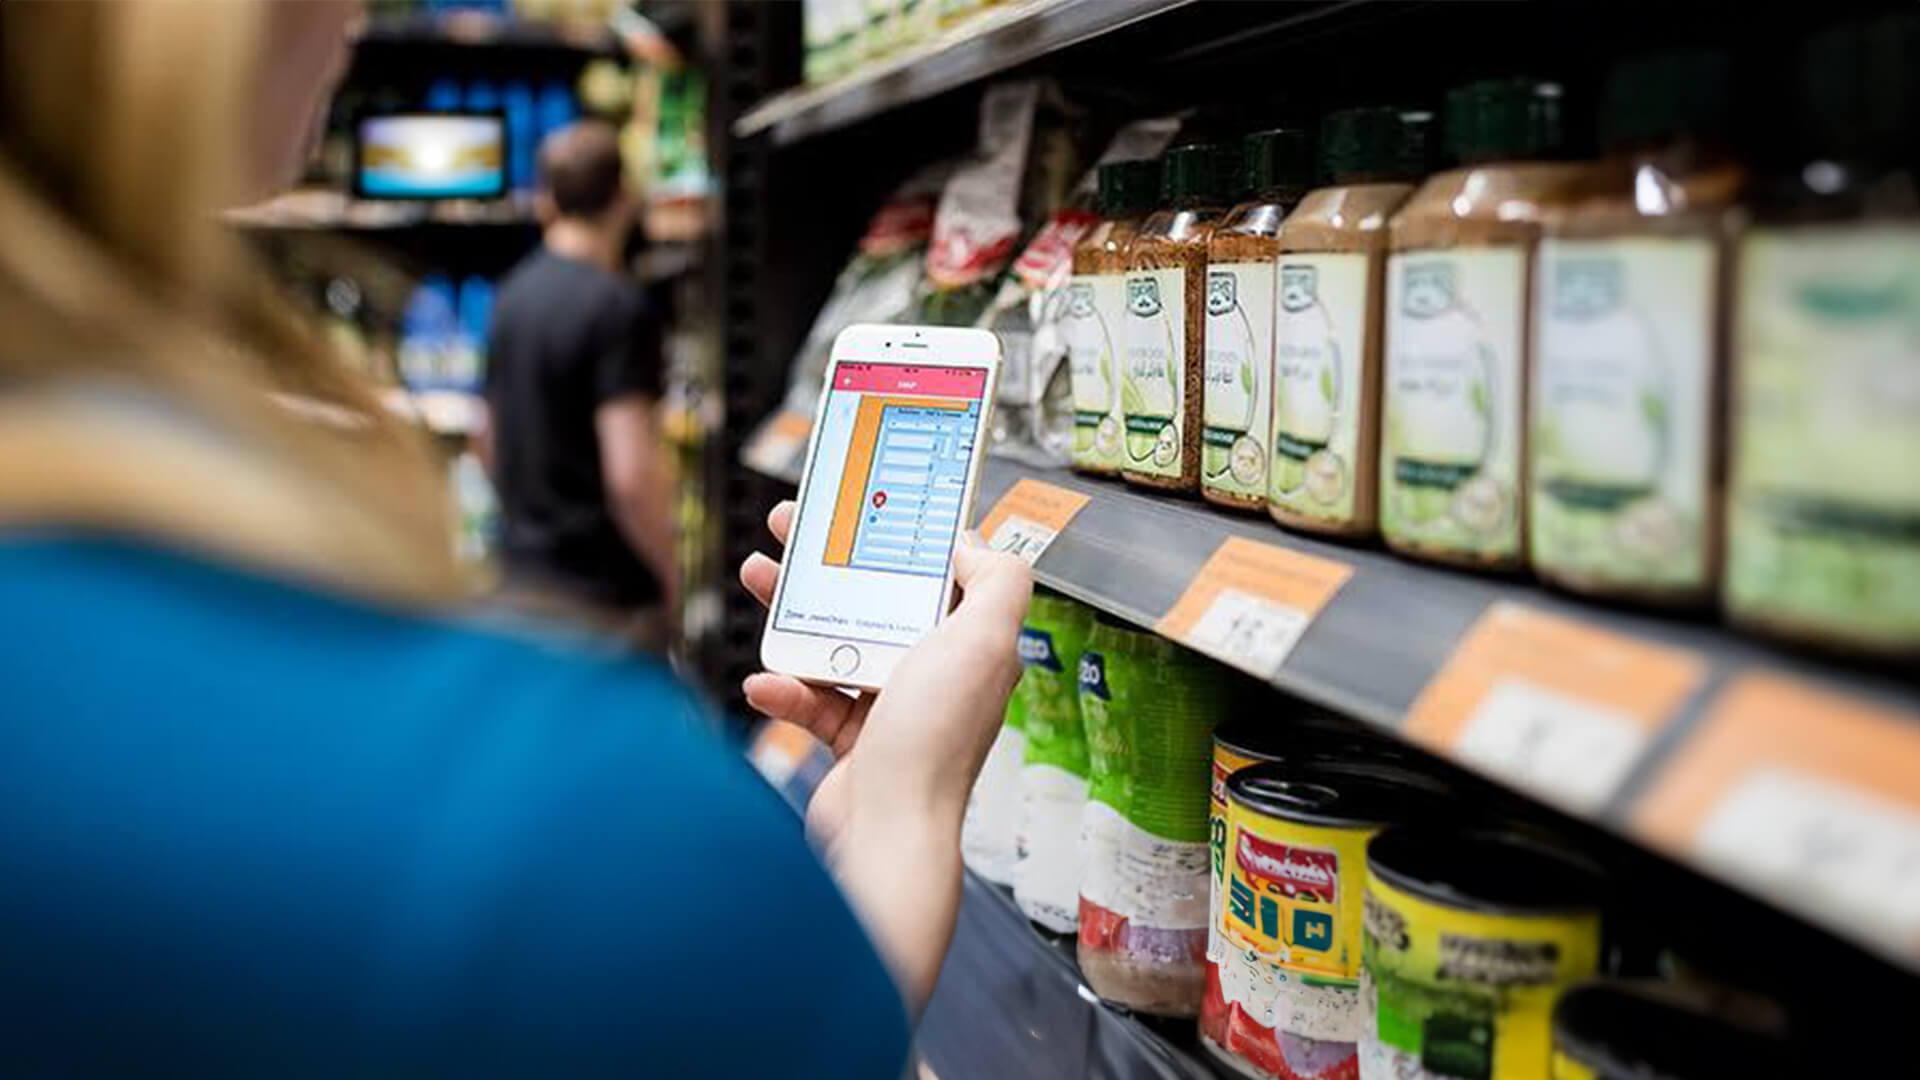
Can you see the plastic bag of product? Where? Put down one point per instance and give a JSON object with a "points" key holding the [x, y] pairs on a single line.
{"points": [[1019, 172], [1053, 779], [990, 834], [1148, 708], [878, 285], [1034, 401]]}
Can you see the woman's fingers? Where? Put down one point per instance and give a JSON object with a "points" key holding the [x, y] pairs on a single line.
{"points": [[826, 714], [780, 520], [995, 587], [760, 574]]}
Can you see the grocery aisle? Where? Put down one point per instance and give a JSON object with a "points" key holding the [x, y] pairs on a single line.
{"points": [[1477, 615]]}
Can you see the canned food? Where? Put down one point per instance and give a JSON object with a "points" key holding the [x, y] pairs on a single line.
{"points": [[1149, 708], [1289, 929], [1469, 939]]}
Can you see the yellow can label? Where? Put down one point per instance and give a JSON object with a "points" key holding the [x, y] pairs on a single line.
{"points": [[1469, 994], [1226, 762], [1293, 893]]}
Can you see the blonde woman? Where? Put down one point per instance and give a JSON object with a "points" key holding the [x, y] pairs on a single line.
{"points": [[270, 807]]}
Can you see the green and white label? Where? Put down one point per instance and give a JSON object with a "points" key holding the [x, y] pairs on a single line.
{"points": [[1153, 386], [1450, 468], [1320, 343], [1824, 513], [1090, 326], [1623, 363], [1237, 401]]}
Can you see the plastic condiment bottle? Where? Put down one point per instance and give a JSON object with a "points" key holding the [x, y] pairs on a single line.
{"points": [[1096, 312], [1324, 472], [1237, 402], [1165, 327], [1823, 513], [1453, 442], [1629, 339]]}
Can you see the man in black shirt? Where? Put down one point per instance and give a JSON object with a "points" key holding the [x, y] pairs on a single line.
{"points": [[573, 377]]}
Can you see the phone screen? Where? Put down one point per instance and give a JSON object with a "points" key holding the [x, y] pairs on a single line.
{"points": [[869, 556]]}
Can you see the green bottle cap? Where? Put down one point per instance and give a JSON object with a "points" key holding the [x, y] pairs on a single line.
{"points": [[1128, 188], [1199, 174], [1859, 90], [1667, 95], [1376, 144], [1505, 120], [1275, 161]]}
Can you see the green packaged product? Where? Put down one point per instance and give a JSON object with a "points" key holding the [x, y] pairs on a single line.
{"points": [[1053, 781], [1149, 708], [990, 832]]}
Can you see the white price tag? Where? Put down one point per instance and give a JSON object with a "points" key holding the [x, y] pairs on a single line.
{"points": [[1567, 751], [1844, 855], [1020, 536], [1250, 632]]}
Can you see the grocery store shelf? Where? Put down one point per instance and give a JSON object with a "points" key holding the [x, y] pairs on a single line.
{"points": [[1010, 1004], [486, 29], [1676, 785], [326, 210], [992, 42], [443, 412]]}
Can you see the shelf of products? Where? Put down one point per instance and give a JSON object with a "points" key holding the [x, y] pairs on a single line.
{"points": [[1658, 729], [489, 29], [336, 210], [994, 41]]}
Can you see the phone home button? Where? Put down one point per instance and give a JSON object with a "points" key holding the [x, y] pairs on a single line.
{"points": [[844, 660]]}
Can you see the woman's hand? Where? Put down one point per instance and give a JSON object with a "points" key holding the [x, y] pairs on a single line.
{"points": [[887, 816]]}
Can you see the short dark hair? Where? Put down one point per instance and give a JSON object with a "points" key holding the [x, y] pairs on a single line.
{"points": [[580, 168]]}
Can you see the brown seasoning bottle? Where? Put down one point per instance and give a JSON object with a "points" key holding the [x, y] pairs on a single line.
{"points": [[1165, 335], [1629, 348], [1236, 404], [1453, 453], [1097, 309], [1324, 472]]}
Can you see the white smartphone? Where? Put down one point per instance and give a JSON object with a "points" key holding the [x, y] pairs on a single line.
{"points": [[888, 485]]}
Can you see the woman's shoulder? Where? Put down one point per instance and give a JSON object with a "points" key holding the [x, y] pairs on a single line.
{"points": [[433, 823]]}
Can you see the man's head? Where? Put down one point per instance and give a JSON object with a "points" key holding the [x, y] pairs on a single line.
{"points": [[580, 176]]}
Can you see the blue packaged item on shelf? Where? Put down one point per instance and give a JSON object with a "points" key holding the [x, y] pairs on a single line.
{"points": [[482, 96], [443, 95], [476, 315], [558, 107], [523, 136], [428, 328]]}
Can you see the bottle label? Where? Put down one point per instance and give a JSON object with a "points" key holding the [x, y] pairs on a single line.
{"points": [[1320, 344], [1451, 462], [1824, 513], [1090, 326], [1238, 399], [1153, 386], [1623, 361]]}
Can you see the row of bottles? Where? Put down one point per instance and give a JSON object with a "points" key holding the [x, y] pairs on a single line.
{"points": [[1659, 376], [444, 334], [530, 116]]}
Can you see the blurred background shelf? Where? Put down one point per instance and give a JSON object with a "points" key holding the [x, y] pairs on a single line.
{"points": [[327, 209], [488, 29], [991, 43], [1392, 627]]}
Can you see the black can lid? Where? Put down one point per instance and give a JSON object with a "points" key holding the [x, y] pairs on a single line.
{"points": [[1277, 160], [1506, 120], [1482, 871], [1377, 143], [1199, 174], [1625, 1033], [1128, 188], [1859, 90], [1308, 793], [1666, 95]]}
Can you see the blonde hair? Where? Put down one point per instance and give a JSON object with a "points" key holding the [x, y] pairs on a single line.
{"points": [[122, 127]]}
